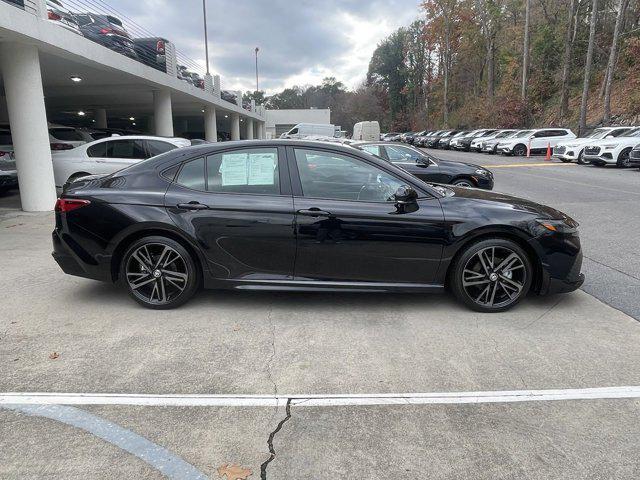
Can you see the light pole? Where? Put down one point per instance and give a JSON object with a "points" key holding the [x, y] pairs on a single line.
{"points": [[206, 39], [257, 89]]}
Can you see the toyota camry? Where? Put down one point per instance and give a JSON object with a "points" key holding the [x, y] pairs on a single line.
{"points": [[306, 216]]}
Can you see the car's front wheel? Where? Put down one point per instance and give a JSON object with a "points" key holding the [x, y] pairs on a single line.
{"points": [[491, 275], [159, 273], [623, 159], [463, 182], [581, 160]]}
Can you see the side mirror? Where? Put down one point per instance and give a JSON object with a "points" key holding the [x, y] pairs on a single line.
{"points": [[405, 195]]}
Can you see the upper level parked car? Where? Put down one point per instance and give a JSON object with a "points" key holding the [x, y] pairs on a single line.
{"points": [[108, 31], [477, 143], [574, 149], [613, 151], [538, 141], [109, 155], [298, 215], [57, 13], [430, 169], [152, 51]]}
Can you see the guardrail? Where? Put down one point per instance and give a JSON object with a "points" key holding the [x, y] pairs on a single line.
{"points": [[152, 50]]}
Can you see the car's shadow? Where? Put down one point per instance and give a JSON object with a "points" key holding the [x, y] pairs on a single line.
{"points": [[105, 295]]}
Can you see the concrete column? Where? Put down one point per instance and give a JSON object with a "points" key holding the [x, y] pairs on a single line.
{"points": [[249, 125], [235, 126], [162, 113], [101, 118], [208, 83], [20, 67], [210, 127], [216, 85]]}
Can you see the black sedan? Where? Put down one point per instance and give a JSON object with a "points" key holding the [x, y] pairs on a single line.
{"points": [[431, 169], [302, 215]]}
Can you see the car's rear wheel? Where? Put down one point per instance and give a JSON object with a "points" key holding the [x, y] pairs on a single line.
{"points": [[623, 159], [159, 273], [492, 275], [520, 150]]}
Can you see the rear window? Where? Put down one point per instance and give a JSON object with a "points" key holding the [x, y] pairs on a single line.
{"points": [[114, 20], [66, 134]]}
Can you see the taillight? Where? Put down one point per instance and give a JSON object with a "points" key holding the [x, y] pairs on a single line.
{"points": [[104, 31], [61, 146], [64, 205], [53, 15], [160, 47]]}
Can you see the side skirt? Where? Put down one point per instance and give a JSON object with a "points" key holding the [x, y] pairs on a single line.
{"points": [[332, 286]]}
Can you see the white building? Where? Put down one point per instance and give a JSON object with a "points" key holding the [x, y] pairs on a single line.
{"points": [[281, 121]]}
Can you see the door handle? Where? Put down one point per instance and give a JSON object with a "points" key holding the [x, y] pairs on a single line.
{"points": [[192, 206], [314, 212]]}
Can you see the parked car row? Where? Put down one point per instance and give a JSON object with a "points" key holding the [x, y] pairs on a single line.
{"points": [[619, 145]]}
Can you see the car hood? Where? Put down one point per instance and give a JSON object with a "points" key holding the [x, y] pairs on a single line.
{"points": [[619, 141], [489, 198], [457, 165]]}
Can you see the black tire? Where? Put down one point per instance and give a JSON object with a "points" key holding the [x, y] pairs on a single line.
{"points": [[464, 182], [581, 160], [161, 287], [470, 277], [520, 150], [623, 159]]}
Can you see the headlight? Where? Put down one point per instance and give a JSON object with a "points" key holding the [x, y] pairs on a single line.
{"points": [[483, 172], [564, 226]]}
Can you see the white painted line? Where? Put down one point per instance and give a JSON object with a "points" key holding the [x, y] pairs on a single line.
{"points": [[199, 400]]}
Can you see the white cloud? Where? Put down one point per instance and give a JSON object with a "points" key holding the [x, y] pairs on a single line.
{"points": [[300, 42]]}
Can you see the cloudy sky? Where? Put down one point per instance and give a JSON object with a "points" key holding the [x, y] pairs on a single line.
{"points": [[300, 41]]}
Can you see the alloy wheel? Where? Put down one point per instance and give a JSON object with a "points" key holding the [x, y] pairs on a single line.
{"points": [[494, 277], [463, 183], [156, 273]]}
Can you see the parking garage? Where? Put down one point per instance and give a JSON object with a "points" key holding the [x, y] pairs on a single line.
{"points": [[49, 74]]}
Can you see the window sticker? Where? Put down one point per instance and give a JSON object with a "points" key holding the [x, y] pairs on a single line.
{"points": [[261, 168], [234, 169]]}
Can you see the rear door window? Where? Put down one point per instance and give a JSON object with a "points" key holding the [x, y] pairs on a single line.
{"points": [[133, 149], [157, 147]]}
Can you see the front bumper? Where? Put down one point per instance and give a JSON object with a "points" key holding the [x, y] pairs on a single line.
{"points": [[564, 153], [560, 263], [605, 158]]}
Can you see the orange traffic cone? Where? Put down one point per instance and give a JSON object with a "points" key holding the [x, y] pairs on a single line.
{"points": [[548, 157]]}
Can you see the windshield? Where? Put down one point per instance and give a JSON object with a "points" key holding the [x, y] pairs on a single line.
{"points": [[523, 133], [632, 133], [505, 134]]}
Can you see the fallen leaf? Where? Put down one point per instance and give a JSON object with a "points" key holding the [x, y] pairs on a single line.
{"points": [[54, 355], [236, 329], [234, 472]]}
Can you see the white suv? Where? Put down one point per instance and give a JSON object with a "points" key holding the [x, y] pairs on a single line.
{"points": [[612, 151], [536, 140], [574, 149]]}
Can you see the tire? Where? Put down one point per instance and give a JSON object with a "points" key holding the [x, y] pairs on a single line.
{"points": [[581, 160], [463, 182], [491, 289], [623, 159], [520, 150], [155, 286]]}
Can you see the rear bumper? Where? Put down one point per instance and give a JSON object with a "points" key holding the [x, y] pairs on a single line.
{"points": [[75, 261]]}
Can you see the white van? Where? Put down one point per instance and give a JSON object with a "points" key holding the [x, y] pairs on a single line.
{"points": [[367, 131], [303, 130]]}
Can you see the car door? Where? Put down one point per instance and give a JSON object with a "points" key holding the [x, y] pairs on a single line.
{"points": [[113, 155], [349, 228], [237, 205], [539, 140]]}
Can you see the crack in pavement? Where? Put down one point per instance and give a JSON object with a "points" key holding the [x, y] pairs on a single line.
{"points": [[612, 268], [272, 451]]}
